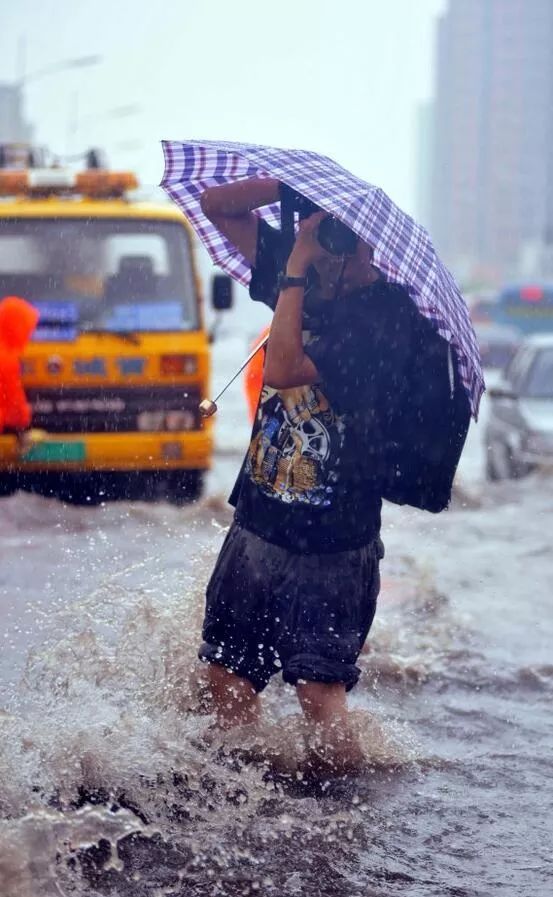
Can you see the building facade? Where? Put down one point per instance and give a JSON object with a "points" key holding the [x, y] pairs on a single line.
{"points": [[490, 191], [13, 126]]}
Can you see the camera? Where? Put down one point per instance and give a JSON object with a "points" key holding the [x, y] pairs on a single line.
{"points": [[333, 235], [336, 237]]}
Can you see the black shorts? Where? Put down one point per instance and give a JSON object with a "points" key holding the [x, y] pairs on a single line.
{"points": [[268, 610]]}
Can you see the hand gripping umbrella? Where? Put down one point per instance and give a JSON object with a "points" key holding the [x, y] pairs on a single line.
{"points": [[402, 249]]}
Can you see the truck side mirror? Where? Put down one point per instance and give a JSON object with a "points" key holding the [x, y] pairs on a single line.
{"points": [[222, 292]]}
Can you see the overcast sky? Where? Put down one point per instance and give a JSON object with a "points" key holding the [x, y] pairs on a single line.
{"points": [[343, 77]]}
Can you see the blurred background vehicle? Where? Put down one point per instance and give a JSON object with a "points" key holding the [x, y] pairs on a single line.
{"points": [[120, 358], [519, 432], [498, 343], [481, 305], [526, 306], [502, 319]]}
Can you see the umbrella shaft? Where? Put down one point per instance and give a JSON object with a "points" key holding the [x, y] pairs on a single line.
{"points": [[242, 366]]}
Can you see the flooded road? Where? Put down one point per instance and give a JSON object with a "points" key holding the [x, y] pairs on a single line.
{"points": [[104, 743]]}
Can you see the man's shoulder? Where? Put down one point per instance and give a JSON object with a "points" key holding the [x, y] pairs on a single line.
{"points": [[384, 290], [380, 304]]}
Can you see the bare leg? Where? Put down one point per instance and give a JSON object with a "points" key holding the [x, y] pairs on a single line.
{"points": [[235, 701], [336, 748]]}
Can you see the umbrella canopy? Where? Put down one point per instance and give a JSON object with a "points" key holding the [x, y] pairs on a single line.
{"points": [[402, 248]]}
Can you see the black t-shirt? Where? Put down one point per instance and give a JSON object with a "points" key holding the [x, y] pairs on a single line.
{"points": [[311, 479]]}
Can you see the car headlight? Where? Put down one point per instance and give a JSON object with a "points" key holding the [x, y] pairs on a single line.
{"points": [[162, 421], [179, 420], [151, 421], [540, 443]]}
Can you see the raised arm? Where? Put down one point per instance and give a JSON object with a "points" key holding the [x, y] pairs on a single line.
{"points": [[286, 363], [230, 206]]}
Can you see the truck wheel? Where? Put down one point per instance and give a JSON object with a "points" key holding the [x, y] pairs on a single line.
{"points": [[80, 490], [8, 484], [185, 486]]}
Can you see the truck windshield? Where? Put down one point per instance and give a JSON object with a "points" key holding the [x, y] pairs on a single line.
{"points": [[101, 274]]}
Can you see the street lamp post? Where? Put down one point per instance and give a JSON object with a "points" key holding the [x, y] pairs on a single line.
{"points": [[56, 67], [76, 123]]}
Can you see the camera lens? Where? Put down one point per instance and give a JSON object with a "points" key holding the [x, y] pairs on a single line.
{"points": [[336, 237]]}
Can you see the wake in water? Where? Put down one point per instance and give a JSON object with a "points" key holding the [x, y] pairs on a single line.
{"points": [[112, 776], [106, 736]]}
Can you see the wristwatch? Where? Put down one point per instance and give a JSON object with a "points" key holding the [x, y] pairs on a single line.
{"points": [[285, 281]]}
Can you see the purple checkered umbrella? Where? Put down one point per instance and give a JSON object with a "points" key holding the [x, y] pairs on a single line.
{"points": [[402, 249]]}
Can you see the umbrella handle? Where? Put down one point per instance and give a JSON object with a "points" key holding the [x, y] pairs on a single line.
{"points": [[208, 407], [244, 364]]}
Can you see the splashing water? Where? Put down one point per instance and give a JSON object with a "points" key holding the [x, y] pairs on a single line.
{"points": [[34, 847], [112, 776]]}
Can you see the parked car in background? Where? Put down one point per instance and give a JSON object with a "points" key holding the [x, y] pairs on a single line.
{"points": [[498, 343], [519, 432]]}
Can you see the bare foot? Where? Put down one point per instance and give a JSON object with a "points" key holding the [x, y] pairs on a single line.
{"points": [[332, 752]]}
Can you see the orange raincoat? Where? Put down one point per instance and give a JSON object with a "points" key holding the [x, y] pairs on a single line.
{"points": [[253, 376], [18, 319]]}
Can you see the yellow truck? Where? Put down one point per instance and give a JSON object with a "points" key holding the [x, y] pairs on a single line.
{"points": [[120, 359]]}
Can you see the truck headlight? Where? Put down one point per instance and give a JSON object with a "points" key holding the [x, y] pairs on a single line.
{"points": [[163, 421], [151, 421], [179, 420]]}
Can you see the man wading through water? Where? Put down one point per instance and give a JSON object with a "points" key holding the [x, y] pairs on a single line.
{"points": [[295, 585]]}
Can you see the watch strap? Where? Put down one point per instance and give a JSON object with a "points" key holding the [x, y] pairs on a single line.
{"points": [[285, 281]]}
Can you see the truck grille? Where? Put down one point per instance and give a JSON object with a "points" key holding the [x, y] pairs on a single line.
{"points": [[105, 410]]}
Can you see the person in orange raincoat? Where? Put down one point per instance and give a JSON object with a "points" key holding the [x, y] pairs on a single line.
{"points": [[18, 319], [253, 376]]}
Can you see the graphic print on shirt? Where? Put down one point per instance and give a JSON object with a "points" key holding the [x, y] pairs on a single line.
{"points": [[295, 451]]}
